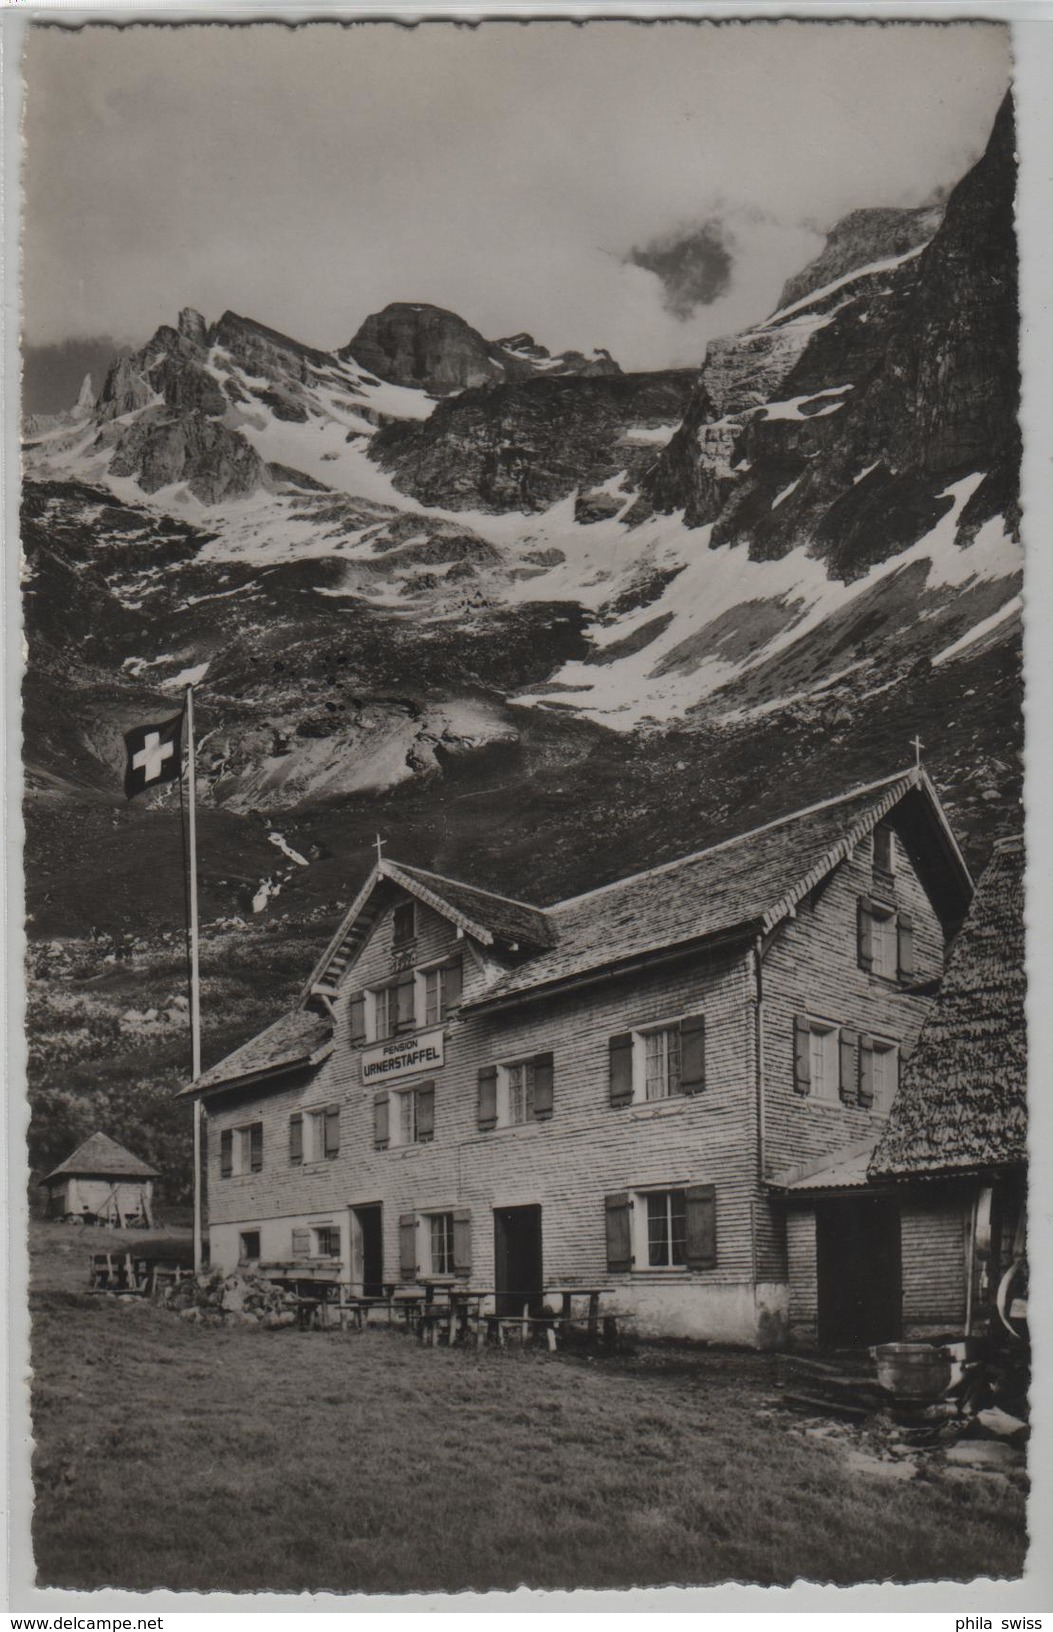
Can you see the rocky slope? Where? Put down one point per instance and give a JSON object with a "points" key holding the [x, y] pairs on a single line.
{"points": [[429, 349], [526, 446], [388, 581]]}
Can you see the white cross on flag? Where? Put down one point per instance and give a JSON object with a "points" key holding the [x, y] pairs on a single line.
{"points": [[153, 755]]}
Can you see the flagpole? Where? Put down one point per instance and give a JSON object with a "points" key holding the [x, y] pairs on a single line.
{"points": [[195, 972]]}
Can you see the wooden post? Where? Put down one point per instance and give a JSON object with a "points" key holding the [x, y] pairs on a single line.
{"points": [[195, 972]]}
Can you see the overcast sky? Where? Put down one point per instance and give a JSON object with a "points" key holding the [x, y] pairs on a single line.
{"points": [[639, 187]]}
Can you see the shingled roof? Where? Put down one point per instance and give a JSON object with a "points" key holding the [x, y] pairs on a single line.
{"points": [[299, 1038], [493, 920], [742, 886], [103, 1158], [514, 922], [962, 1103]]}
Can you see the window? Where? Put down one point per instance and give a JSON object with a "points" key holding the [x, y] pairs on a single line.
{"points": [[885, 1075], [314, 1135], [241, 1150], [665, 1061], [520, 1091], [249, 1245], [440, 1240], [404, 1116], [435, 1244], [404, 923], [836, 1063], [885, 851], [439, 990], [666, 1228], [515, 1093], [824, 1060], [885, 940], [662, 1229], [662, 1063], [390, 1010], [326, 1241]]}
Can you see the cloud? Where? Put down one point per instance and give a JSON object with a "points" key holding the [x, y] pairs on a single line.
{"points": [[694, 265]]}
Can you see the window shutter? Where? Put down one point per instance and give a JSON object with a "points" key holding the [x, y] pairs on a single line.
{"points": [[406, 1015], [543, 1086], [408, 1246], [849, 1067], [700, 1246], [866, 1072], [301, 1243], [865, 933], [693, 1054], [488, 1097], [454, 981], [619, 1235], [381, 1128], [332, 1130], [905, 945], [296, 1139], [358, 1018], [425, 1111], [256, 1146], [226, 1153], [621, 1056], [462, 1241], [802, 1055]]}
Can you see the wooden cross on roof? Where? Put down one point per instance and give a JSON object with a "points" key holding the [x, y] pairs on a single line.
{"points": [[917, 744], [380, 843]]}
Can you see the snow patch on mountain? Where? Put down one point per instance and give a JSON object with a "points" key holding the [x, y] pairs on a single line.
{"points": [[725, 615]]}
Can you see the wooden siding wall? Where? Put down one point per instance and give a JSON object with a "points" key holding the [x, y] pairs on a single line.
{"points": [[933, 1234], [811, 967], [567, 1164], [804, 1274]]}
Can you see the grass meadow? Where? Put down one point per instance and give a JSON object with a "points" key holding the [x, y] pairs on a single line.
{"points": [[171, 1455]]}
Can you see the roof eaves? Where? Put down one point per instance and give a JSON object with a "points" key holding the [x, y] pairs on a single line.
{"points": [[260, 1074], [344, 925], [613, 970]]}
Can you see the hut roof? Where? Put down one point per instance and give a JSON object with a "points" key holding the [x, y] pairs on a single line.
{"points": [[962, 1104], [105, 1158], [302, 1037]]}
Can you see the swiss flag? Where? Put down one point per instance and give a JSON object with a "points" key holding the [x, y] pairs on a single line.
{"points": [[152, 755]]}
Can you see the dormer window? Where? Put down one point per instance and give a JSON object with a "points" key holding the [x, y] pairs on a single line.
{"points": [[404, 923]]}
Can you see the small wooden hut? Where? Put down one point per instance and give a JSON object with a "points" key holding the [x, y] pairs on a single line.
{"points": [[958, 1126], [102, 1183]]}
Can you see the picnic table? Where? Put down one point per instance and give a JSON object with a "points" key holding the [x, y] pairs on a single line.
{"points": [[567, 1294], [314, 1298]]}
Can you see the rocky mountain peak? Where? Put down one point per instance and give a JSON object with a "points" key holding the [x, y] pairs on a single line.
{"points": [[424, 347], [192, 326], [860, 239]]}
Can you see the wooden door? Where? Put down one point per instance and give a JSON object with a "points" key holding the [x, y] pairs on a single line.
{"points": [[858, 1271], [367, 1250], [518, 1271]]}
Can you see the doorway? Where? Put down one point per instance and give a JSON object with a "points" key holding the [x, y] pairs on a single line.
{"points": [[367, 1250], [858, 1272], [518, 1276]]}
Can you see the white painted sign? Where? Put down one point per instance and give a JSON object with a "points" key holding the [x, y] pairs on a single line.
{"points": [[403, 1057]]}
